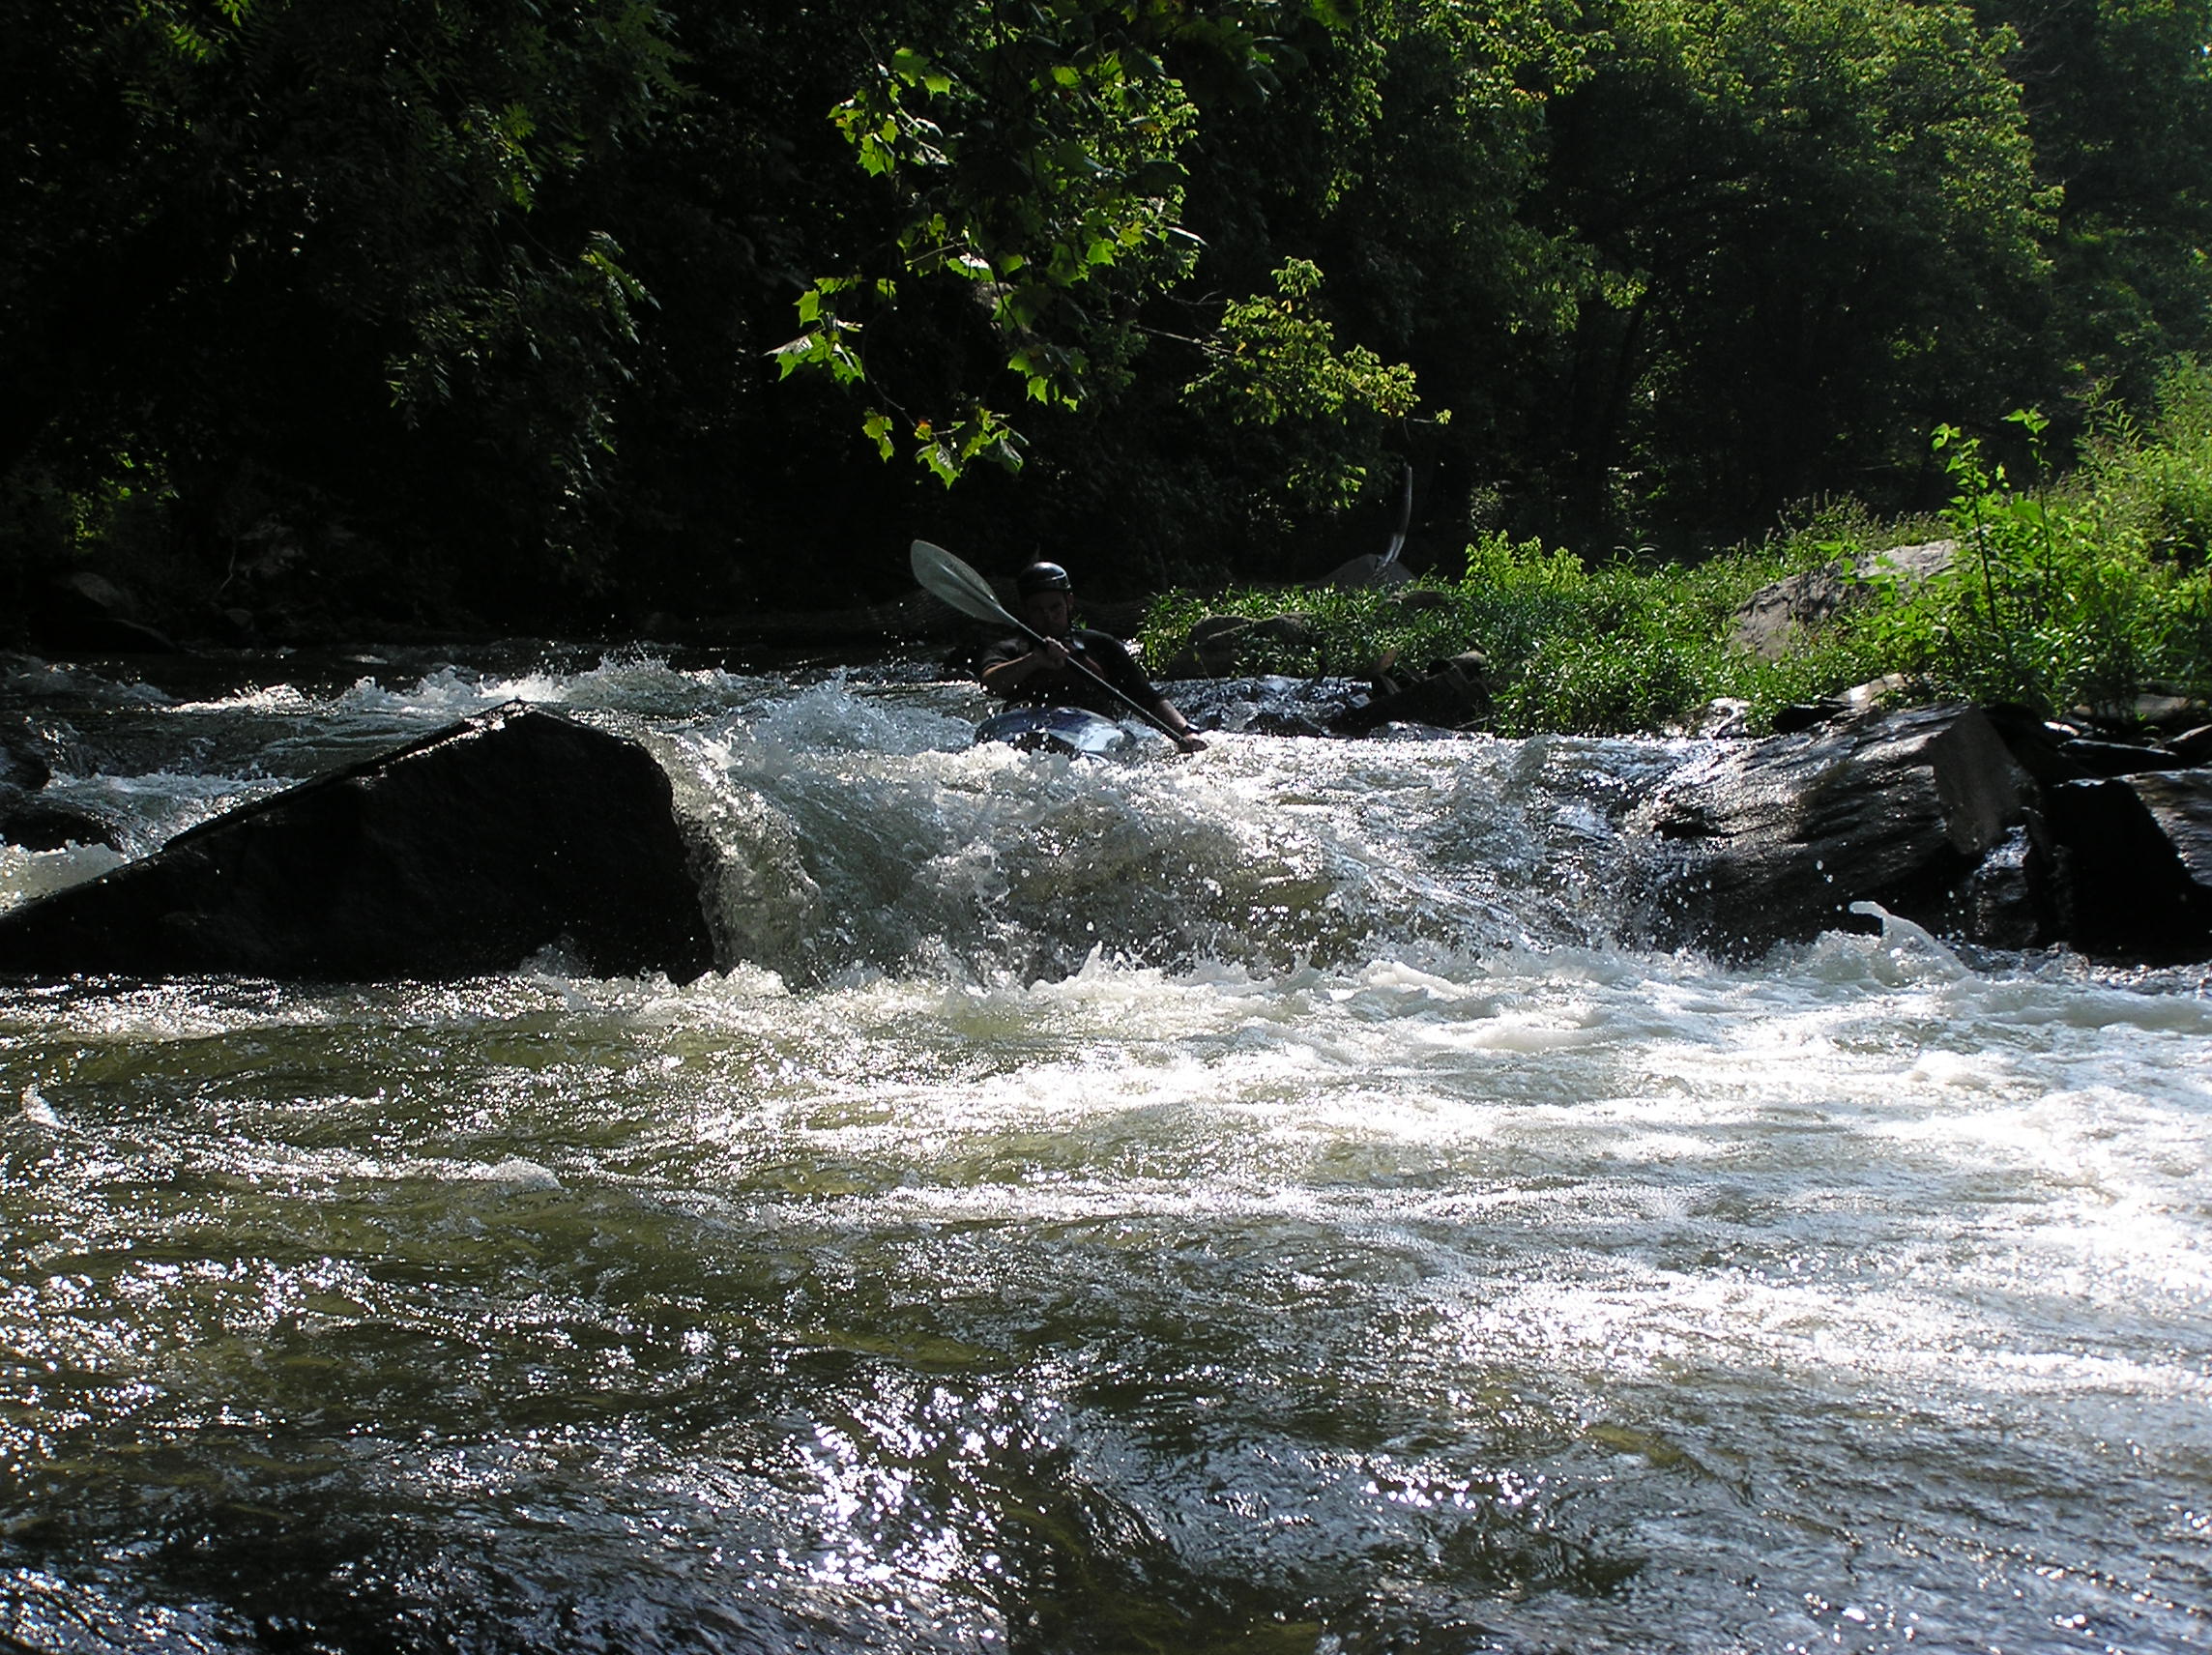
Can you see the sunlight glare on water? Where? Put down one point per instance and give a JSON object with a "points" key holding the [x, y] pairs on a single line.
{"points": [[1251, 1203]]}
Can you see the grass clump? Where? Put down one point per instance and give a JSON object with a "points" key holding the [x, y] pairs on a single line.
{"points": [[2062, 594], [1624, 646]]}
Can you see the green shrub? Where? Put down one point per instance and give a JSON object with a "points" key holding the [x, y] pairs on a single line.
{"points": [[2082, 593], [2079, 596], [1623, 648]]}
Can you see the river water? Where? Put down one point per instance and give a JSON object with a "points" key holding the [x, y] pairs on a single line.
{"points": [[1253, 1202]]}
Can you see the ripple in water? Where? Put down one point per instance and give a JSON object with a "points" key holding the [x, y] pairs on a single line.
{"points": [[1247, 1204]]}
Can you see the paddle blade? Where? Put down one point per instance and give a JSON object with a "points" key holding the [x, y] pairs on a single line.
{"points": [[945, 576]]}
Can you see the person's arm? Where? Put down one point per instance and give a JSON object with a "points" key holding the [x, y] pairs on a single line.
{"points": [[1009, 671], [1118, 669], [1188, 738]]}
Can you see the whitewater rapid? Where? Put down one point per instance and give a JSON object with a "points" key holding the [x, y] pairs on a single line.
{"points": [[1255, 1201]]}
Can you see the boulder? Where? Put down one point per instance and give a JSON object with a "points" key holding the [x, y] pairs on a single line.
{"points": [[1368, 570], [24, 760], [2192, 745], [462, 854], [2035, 744], [2002, 905], [2167, 714], [1849, 703], [1452, 695], [2180, 802], [1760, 842], [1771, 620], [1218, 644], [1908, 566], [2129, 863], [1982, 824], [31, 821], [2118, 758], [1422, 600]]}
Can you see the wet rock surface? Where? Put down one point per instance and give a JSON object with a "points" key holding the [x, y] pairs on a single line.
{"points": [[25, 764], [1759, 842], [2112, 880], [464, 853], [1984, 824], [29, 819], [1450, 695]]}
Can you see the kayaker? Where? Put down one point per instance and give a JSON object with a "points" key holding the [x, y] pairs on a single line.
{"points": [[1074, 664]]}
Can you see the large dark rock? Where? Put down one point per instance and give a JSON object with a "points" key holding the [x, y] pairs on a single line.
{"points": [[33, 822], [1368, 570], [1760, 842], [465, 852], [29, 819], [2131, 863], [24, 762], [2181, 804], [1452, 695], [80, 610]]}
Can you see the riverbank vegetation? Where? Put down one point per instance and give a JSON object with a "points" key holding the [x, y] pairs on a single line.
{"points": [[2075, 590], [339, 316]]}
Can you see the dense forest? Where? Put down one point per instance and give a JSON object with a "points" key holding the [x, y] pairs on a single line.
{"points": [[348, 313]]}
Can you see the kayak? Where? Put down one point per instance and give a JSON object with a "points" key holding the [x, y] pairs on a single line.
{"points": [[1071, 730]]}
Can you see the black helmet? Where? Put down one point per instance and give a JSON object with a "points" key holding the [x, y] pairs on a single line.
{"points": [[1042, 577]]}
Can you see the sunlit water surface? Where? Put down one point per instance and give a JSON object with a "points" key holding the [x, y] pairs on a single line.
{"points": [[1251, 1203]]}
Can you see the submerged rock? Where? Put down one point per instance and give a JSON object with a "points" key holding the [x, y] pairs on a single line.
{"points": [[33, 822], [462, 854], [24, 762], [30, 820]]}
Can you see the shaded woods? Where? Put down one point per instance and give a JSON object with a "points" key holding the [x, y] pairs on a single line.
{"points": [[351, 314]]}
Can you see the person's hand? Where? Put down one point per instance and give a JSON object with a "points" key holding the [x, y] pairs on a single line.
{"points": [[1052, 653], [1188, 740]]}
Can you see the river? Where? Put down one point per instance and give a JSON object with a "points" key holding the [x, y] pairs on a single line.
{"points": [[1254, 1201]]}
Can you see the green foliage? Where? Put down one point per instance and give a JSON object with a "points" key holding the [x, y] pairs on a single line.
{"points": [[2121, 98], [1803, 222], [1620, 648], [2084, 594], [2078, 595], [581, 297], [2159, 480], [1272, 362], [1036, 158], [321, 237]]}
